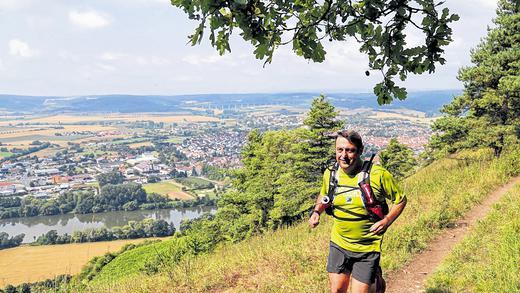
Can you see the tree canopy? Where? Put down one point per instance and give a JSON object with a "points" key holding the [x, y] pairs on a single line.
{"points": [[488, 112], [398, 159], [379, 26]]}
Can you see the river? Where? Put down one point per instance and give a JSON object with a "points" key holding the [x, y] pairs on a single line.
{"points": [[33, 227]]}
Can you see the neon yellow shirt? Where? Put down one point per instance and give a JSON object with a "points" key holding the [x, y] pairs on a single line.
{"points": [[351, 227]]}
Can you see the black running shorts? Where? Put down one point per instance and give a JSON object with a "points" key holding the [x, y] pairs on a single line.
{"points": [[361, 265]]}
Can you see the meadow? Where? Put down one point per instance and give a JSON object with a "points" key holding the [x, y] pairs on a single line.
{"points": [[293, 259], [35, 263], [168, 188]]}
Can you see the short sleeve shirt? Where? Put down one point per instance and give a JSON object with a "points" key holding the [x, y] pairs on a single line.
{"points": [[351, 227]]}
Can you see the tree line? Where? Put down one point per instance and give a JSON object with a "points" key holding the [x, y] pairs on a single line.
{"points": [[133, 230], [6, 242], [112, 197]]}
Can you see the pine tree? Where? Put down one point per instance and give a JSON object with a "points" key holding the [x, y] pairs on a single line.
{"points": [[398, 159], [317, 148], [488, 112]]}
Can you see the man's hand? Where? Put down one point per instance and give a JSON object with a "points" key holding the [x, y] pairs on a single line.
{"points": [[314, 220], [380, 227]]}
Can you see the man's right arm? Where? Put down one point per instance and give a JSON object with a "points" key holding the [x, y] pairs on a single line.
{"points": [[314, 218]]}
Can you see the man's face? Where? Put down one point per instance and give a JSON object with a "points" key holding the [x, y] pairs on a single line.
{"points": [[346, 153]]}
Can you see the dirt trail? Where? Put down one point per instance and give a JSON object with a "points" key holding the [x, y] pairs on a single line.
{"points": [[411, 278]]}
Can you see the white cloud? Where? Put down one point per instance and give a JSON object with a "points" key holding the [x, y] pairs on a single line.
{"points": [[111, 56], [89, 19], [21, 49], [195, 59], [13, 4], [105, 67], [125, 58]]}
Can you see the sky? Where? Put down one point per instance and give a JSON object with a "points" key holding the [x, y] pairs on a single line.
{"points": [[78, 47]]}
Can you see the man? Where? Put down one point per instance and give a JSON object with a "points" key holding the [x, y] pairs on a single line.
{"points": [[356, 237]]}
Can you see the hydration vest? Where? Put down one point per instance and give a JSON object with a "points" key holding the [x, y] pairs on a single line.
{"points": [[376, 209]]}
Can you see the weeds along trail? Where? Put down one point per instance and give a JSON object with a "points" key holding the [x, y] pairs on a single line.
{"points": [[411, 278]]}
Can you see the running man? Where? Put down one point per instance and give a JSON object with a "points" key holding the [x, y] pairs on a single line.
{"points": [[356, 237]]}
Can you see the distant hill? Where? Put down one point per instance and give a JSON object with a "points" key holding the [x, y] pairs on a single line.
{"points": [[427, 101]]}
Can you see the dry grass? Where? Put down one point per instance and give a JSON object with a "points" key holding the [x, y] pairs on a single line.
{"points": [[36, 263]]}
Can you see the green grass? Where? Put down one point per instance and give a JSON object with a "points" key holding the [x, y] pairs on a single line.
{"points": [[5, 154], [162, 188], [178, 140], [133, 260], [488, 259], [130, 141], [293, 259], [193, 182]]}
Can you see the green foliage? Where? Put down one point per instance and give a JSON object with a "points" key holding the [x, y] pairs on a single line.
{"points": [[142, 229], [398, 159], [488, 112], [6, 242], [317, 147], [487, 259], [113, 177], [195, 183], [59, 283], [96, 264], [215, 173], [377, 25], [127, 197]]}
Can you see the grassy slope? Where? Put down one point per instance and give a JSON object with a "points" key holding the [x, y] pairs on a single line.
{"points": [[294, 258], [488, 259]]}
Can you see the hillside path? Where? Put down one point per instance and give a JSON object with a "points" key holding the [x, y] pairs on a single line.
{"points": [[410, 279]]}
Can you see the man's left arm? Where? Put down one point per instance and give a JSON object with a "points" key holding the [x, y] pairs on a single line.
{"points": [[396, 210], [393, 192]]}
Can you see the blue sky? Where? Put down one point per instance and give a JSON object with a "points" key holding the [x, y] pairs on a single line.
{"points": [[72, 47]]}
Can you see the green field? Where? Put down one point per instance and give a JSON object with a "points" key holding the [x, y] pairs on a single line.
{"points": [[294, 258], [195, 182], [488, 259], [167, 188], [130, 140], [5, 154], [175, 140]]}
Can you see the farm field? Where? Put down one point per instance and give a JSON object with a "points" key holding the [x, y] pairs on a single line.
{"points": [[5, 154], [74, 119], [168, 188], [401, 116], [36, 263]]}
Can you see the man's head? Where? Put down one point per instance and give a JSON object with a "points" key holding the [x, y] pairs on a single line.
{"points": [[349, 147]]}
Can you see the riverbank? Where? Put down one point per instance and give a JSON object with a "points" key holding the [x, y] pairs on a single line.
{"points": [[33, 227], [25, 264]]}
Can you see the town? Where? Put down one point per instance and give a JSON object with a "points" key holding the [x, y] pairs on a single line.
{"points": [[73, 152]]}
